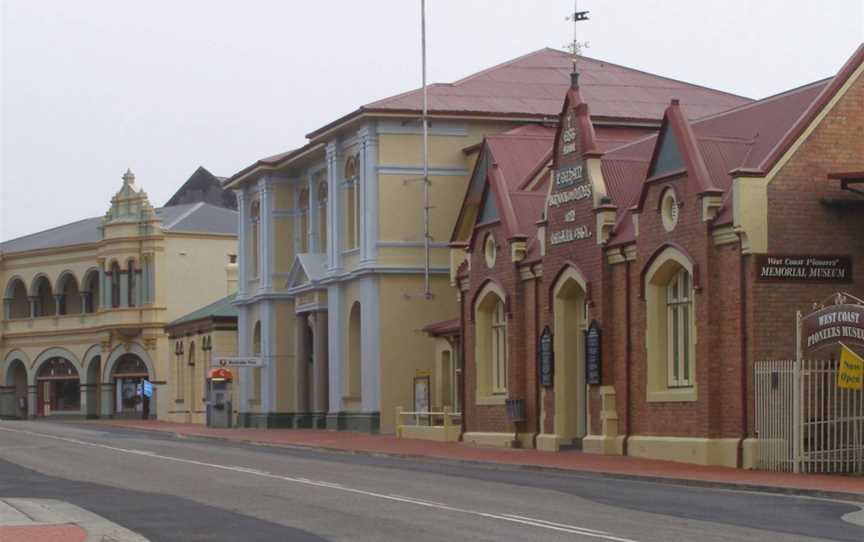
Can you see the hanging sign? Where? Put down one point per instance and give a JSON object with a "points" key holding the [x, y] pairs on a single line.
{"points": [[832, 324], [547, 358], [850, 374], [797, 268], [147, 388], [593, 358], [238, 362]]}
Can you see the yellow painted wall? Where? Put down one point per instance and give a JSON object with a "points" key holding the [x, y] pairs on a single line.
{"points": [[193, 272]]}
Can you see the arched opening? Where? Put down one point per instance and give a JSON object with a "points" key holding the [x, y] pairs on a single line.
{"points": [[353, 372], [16, 378], [446, 372], [133, 284], [254, 218], [58, 387], [352, 202], [129, 374], [44, 295], [570, 389], [322, 213], [70, 296], [91, 291], [189, 380], [17, 304], [303, 219], [115, 285]]}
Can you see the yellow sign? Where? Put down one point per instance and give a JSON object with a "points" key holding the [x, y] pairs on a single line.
{"points": [[851, 373]]}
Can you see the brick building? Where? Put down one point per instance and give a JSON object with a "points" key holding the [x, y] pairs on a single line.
{"points": [[647, 268]]}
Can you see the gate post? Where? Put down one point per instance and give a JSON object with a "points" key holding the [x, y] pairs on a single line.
{"points": [[796, 398]]}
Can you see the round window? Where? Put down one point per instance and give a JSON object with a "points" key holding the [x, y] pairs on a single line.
{"points": [[669, 209], [490, 250]]}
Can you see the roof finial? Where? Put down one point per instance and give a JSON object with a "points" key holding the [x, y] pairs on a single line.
{"points": [[576, 46], [129, 177]]}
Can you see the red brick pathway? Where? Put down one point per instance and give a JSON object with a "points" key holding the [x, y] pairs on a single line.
{"points": [[614, 465], [43, 533]]}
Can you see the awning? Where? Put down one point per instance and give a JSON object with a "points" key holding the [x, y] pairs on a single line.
{"points": [[220, 373]]}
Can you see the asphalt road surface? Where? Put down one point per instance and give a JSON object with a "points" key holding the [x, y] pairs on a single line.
{"points": [[168, 488]]}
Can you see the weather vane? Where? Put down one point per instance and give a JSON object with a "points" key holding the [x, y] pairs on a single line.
{"points": [[575, 47]]}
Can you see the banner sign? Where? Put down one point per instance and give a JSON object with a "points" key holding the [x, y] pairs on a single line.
{"points": [[593, 358], [850, 375], [833, 324], [147, 388], [547, 359], [788, 268], [238, 362]]}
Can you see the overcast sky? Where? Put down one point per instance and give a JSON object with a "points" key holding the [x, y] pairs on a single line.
{"points": [[90, 88]]}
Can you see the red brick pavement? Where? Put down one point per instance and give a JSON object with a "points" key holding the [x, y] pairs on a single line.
{"points": [[43, 533], [853, 486]]}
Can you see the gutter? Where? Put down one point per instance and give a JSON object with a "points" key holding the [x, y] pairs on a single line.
{"points": [[628, 358]]}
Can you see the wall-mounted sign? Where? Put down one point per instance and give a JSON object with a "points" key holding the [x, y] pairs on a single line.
{"points": [[421, 393], [833, 324], [795, 268], [568, 235], [568, 175], [850, 373], [238, 362], [547, 358], [593, 358], [568, 136], [578, 193]]}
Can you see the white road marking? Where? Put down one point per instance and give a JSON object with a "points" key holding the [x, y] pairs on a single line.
{"points": [[573, 529]]}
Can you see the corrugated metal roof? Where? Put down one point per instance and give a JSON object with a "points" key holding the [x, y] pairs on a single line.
{"points": [[218, 309], [189, 218]]}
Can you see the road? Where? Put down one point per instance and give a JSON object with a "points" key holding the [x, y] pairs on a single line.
{"points": [[168, 488]]}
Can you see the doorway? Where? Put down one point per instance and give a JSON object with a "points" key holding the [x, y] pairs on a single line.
{"points": [[570, 389], [129, 375]]}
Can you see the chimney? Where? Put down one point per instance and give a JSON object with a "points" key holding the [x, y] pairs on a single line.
{"points": [[231, 274]]}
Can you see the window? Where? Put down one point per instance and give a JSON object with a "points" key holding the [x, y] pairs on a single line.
{"points": [[180, 370], [322, 211], [490, 251], [499, 349], [352, 202], [254, 219], [679, 311], [491, 348], [303, 221], [669, 209], [115, 285], [130, 300], [670, 328]]}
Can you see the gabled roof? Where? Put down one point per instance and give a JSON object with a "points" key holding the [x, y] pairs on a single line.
{"points": [[532, 86], [218, 309], [513, 170], [203, 186], [746, 140], [307, 269], [190, 218]]}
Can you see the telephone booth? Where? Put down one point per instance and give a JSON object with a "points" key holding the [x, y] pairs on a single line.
{"points": [[219, 407]]}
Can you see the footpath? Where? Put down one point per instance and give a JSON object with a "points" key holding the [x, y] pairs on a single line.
{"points": [[814, 485], [49, 520]]}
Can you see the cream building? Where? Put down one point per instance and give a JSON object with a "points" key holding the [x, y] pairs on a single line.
{"points": [[85, 304], [332, 293]]}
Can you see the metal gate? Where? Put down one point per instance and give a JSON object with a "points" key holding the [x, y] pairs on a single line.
{"points": [[804, 421]]}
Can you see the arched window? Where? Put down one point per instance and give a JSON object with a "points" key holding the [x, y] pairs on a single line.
{"points": [[91, 286], [254, 218], [492, 350], [670, 337], [352, 202], [180, 369], [130, 270], [16, 303], [303, 221], [115, 285], [256, 371], [679, 311], [322, 212], [45, 305], [70, 296], [353, 384]]}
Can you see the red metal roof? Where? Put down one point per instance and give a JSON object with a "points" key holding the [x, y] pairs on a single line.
{"points": [[532, 86]]}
